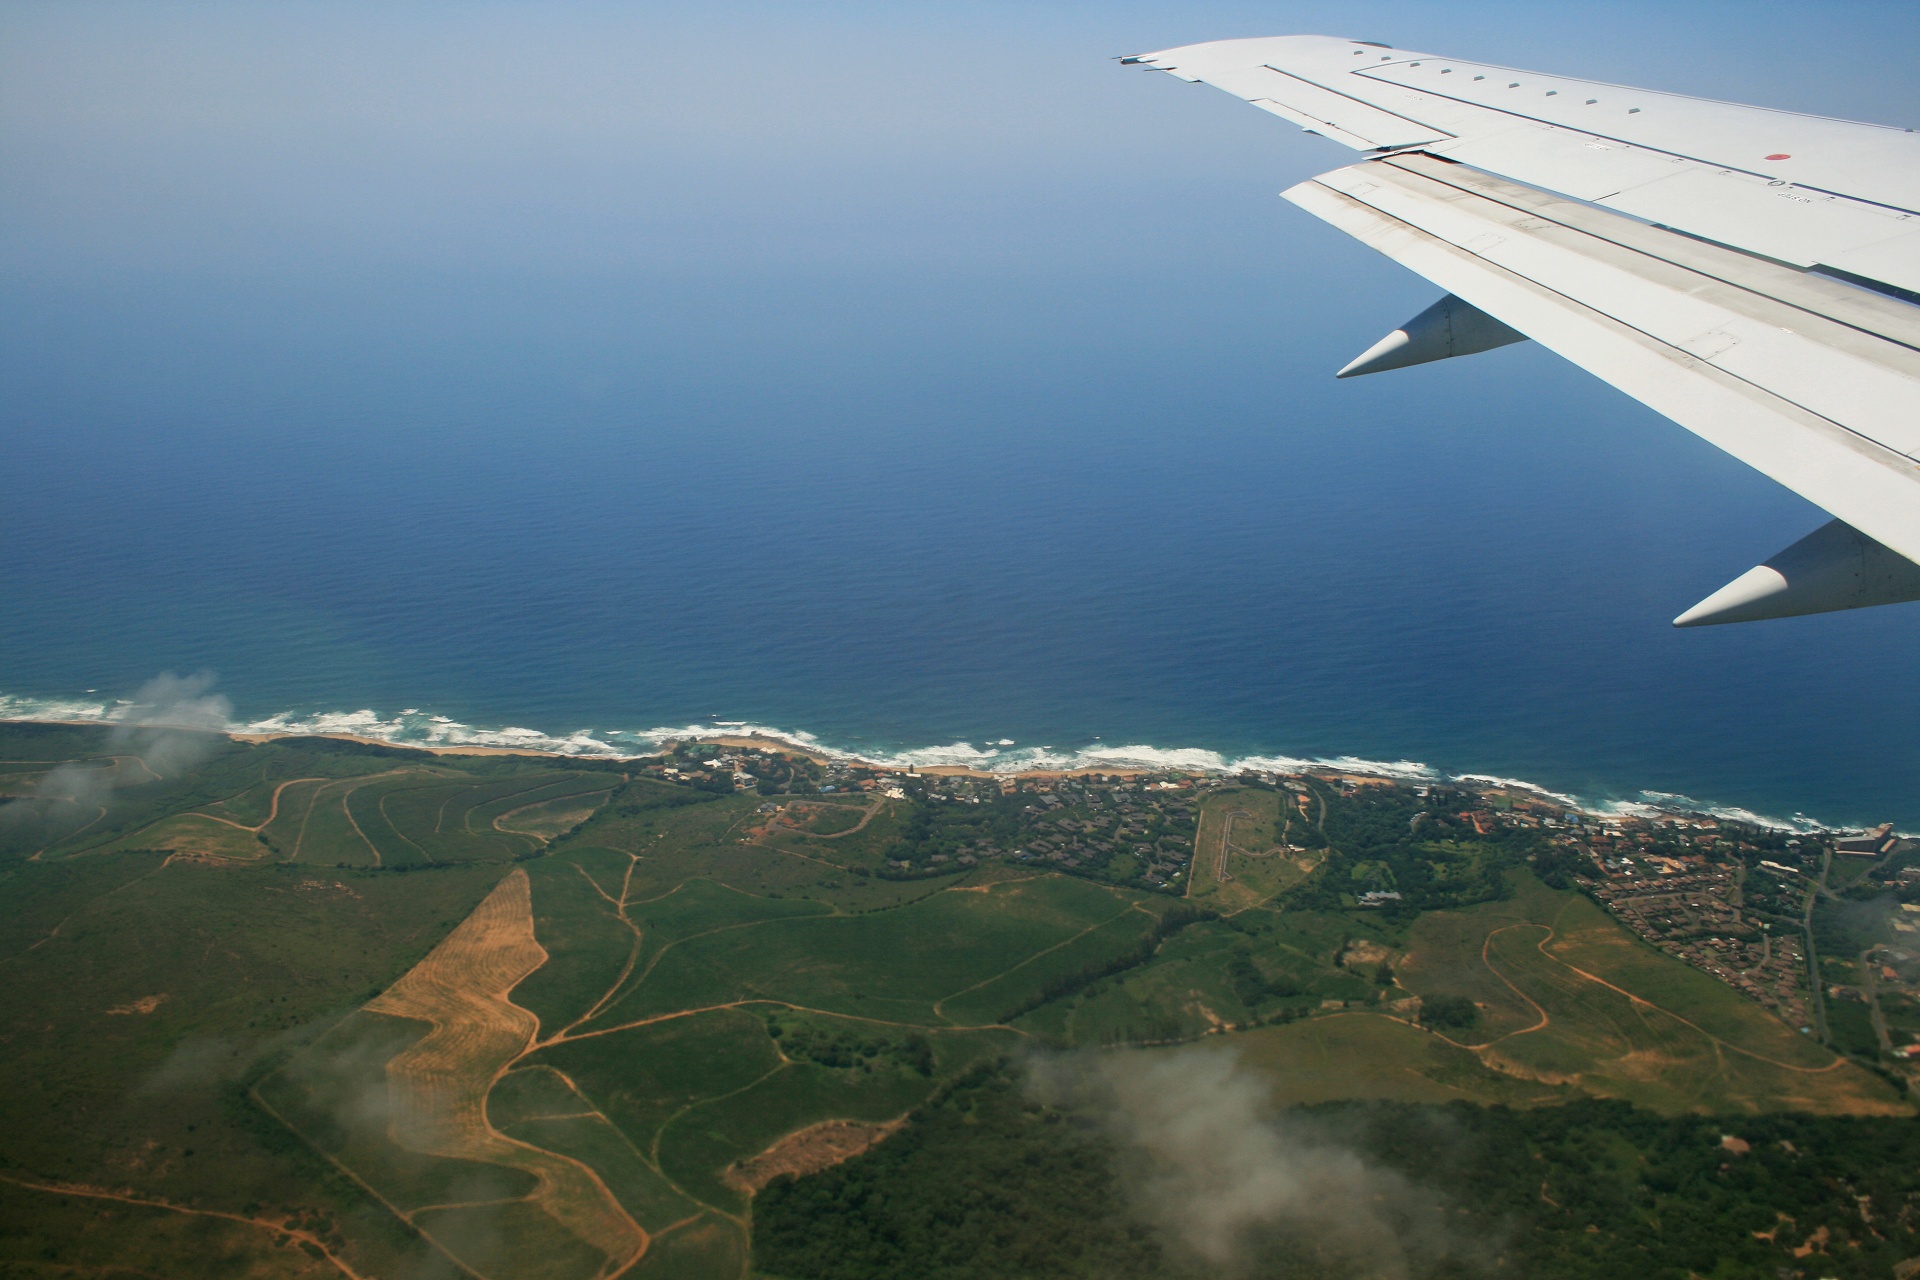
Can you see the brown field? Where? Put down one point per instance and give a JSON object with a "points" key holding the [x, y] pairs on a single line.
{"points": [[816, 1147], [439, 1086]]}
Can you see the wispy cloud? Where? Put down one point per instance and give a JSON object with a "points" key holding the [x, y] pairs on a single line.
{"points": [[1234, 1183], [171, 721], [169, 726]]}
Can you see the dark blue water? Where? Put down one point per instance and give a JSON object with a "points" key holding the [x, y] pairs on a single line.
{"points": [[911, 512]]}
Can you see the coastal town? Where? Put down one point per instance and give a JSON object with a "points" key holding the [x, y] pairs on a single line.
{"points": [[1744, 903]]}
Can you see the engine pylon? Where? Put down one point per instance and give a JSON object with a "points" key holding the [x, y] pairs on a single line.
{"points": [[1450, 327], [1834, 567]]}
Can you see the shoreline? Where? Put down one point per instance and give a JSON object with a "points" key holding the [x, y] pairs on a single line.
{"points": [[1347, 769], [755, 742]]}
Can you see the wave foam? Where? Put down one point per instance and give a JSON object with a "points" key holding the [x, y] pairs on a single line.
{"points": [[414, 727]]}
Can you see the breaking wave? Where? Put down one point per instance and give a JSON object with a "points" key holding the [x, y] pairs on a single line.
{"points": [[417, 728]]}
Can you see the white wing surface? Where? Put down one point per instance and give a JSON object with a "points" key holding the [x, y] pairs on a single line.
{"points": [[1750, 273]]}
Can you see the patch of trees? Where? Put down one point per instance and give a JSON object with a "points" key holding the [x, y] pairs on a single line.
{"points": [[1431, 857], [1557, 866], [846, 1049], [342, 747], [985, 1182], [942, 827], [642, 794], [1850, 1024], [1847, 928], [1449, 1012]]}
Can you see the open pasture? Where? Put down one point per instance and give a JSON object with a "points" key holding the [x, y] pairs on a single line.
{"points": [[251, 807], [1587, 940], [680, 835], [194, 835], [422, 817], [578, 918], [431, 1094], [641, 1077], [20, 778], [548, 818], [1365, 1055], [1000, 995], [336, 1096], [591, 1139], [890, 964], [1568, 997], [438, 1085], [302, 800], [829, 819], [425, 814]]}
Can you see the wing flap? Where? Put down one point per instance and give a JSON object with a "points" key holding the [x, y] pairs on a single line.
{"points": [[1777, 219], [1889, 260], [1820, 406]]}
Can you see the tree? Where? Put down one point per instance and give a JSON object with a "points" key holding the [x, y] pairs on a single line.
{"points": [[1449, 1011]]}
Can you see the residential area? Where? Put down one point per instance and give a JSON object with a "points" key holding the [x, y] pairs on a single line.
{"points": [[1771, 913]]}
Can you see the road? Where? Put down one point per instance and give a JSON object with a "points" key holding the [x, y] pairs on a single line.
{"points": [[1818, 1004]]}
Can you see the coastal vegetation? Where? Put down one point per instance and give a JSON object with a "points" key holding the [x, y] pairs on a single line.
{"points": [[322, 1007]]}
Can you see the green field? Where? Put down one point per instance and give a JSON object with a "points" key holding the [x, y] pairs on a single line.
{"points": [[1247, 851]]}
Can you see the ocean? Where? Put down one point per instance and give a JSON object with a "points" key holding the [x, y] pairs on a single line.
{"points": [[909, 529], [927, 449]]}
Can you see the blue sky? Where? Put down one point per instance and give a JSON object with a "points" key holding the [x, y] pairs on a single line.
{"points": [[728, 136]]}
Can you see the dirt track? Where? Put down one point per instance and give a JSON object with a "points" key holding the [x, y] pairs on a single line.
{"points": [[284, 1231], [439, 1086]]}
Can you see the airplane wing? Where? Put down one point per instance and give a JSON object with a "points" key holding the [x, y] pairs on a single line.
{"points": [[1752, 274]]}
